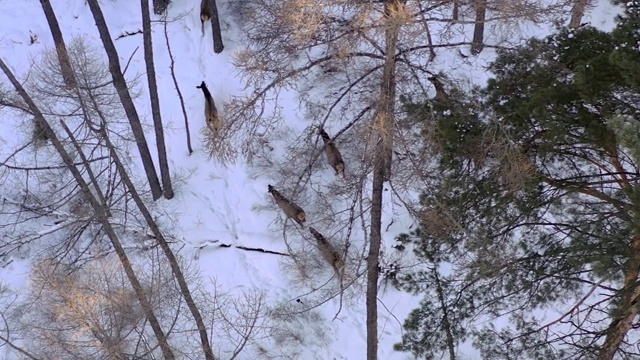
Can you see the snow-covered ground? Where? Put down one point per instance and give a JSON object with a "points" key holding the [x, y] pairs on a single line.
{"points": [[214, 203]]}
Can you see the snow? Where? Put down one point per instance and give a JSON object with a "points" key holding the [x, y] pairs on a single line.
{"points": [[214, 203]]}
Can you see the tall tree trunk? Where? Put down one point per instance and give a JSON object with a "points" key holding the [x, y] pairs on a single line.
{"points": [[177, 272], [456, 10], [446, 324], [381, 171], [61, 48], [388, 90], [92, 176], [164, 245], [577, 12], [155, 102], [123, 92], [218, 46], [477, 43], [374, 253], [100, 212], [630, 300], [175, 267]]}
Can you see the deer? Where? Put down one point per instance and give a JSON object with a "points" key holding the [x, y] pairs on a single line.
{"points": [[333, 155], [290, 209], [210, 112], [205, 13], [329, 253]]}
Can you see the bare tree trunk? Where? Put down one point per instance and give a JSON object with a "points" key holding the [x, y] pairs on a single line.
{"points": [[577, 12], [175, 267], [61, 48], [123, 92], [90, 172], [218, 46], [381, 171], [374, 253], [157, 233], [432, 53], [631, 300], [177, 272], [456, 10], [100, 212], [445, 316], [388, 91], [155, 102], [477, 43]]}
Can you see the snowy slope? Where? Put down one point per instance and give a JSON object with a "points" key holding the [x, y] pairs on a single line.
{"points": [[215, 204]]}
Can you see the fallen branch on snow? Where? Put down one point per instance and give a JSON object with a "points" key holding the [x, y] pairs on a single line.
{"points": [[128, 33], [254, 249]]}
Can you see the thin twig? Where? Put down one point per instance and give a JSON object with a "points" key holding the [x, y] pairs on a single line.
{"points": [[175, 82]]}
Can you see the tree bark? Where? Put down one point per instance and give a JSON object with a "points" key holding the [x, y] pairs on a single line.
{"points": [[477, 43], [432, 53], [446, 324], [175, 267], [164, 245], [218, 46], [155, 102], [388, 90], [127, 102], [90, 172], [100, 212], [456, 10], [374, 253], [577, 12], [381, 172], [61, 48], [630, 299]]}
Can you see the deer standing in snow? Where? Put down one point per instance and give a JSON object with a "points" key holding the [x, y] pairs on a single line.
{"points": [[290, 208], [328, 252], [333, 155], [205, 13], [210, 111]]}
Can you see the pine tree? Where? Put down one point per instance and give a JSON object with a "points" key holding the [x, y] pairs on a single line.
{"points": [[535, 206]]}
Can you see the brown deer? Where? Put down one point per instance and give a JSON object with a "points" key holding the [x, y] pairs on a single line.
{"points": [[333, 155], [205, 13], [328, 252], [290, 208], [210, 111]]}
